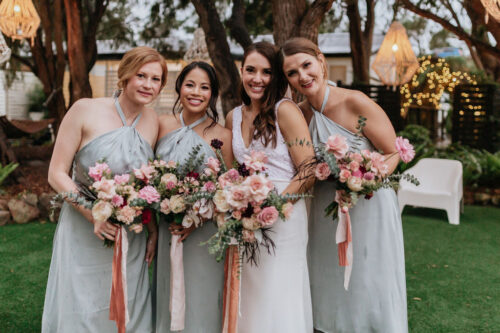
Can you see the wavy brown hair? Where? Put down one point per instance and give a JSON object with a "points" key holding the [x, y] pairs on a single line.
{"points": [[265, 122]]}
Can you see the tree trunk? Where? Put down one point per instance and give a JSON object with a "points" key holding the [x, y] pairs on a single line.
{"points": [[361, 40], [218, 48], [294, 18]]}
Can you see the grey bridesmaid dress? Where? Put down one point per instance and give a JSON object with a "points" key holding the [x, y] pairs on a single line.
{"points": [[376, 298], [79, 282], [203, 276]]}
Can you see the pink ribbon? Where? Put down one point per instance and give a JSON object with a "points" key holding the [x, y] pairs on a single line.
{"points": [[118, 310], [177, 304], [230, 307], [343, 239]]}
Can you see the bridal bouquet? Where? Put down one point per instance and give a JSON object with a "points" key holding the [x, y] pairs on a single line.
{"points": [[246, 206]]}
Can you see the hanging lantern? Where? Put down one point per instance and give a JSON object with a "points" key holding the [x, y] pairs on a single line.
{"points": [[492, 8], [198, 49], [4, 50], [395, 62], [19, 19]]}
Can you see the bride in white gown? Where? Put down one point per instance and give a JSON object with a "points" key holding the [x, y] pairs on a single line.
{"points": [[275, 295]]}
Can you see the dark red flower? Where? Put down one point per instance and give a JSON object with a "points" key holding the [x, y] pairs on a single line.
{"points": [[216, 144], [369, 196], [146, 216], [193, 174]]}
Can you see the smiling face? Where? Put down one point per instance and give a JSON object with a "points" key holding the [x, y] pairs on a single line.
{"points": [[145, 85], [256, 75], [195, 91], [305, 72]]}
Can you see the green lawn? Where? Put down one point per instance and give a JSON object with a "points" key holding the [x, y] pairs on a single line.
{"points": [[453, 272]]}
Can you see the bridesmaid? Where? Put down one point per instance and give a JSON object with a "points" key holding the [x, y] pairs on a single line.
{"points": [[275, 295], [197, 88], [122, 131], [376, 299]]}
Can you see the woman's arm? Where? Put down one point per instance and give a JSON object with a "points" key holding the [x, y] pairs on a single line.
{"points": [[67, 143], [378, 127], [293, 127]]}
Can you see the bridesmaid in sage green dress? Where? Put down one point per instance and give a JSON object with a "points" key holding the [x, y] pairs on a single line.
{"points": [[376, 297], [197, 88], [122, 131]]}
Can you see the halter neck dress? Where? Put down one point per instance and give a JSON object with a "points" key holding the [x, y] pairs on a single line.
{"points": [[79, 282], [203, 276], [275, 293], [376, 298]]}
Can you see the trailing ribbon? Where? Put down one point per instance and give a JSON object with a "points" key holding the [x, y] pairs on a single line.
{"points": [[118, 301], [230, 307], [177, 304], [343, 239]]}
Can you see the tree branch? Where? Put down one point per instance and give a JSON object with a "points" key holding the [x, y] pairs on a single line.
{"points": [[237, 26], [25, 62], [460, 33], [313, 17]]}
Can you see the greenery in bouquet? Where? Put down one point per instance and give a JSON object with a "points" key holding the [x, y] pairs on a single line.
{"points": [[121, 199], [246, 205]]}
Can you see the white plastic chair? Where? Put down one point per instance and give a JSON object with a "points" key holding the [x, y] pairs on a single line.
{"points": [[440, 187]]}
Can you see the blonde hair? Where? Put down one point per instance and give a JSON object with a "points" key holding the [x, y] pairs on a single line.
{"points": [[302, 45], [134, 59]]}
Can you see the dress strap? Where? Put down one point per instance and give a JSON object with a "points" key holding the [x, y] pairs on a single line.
{"points": [[325, 98], [122, 116], [196, 123]]}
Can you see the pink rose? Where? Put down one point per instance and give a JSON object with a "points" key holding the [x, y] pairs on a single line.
{"points": [[122, 179], [105, 188], [369, 176], [378, 165], [322, 171], [268, 216], [405, 149], [229, 177], [171, 164], [356, 157], [365, 153], [149, 194], [344, 175], [357, 173], [237, 196], [337, 144], [144, 173], [209, 187], [256, 161], [213, 164], [258, 187], [287, 209], [209, 172], [126, 214], [98, 170], [236, 215], [117, 200], [354, 166]]}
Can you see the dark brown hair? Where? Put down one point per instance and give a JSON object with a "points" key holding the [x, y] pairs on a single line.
{"points": [[300, 45], [214, 88], [265, 122]]}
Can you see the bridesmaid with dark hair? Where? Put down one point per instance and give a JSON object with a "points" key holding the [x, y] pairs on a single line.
{"points": [[194, 122], [275, 295], [376, 297], [121, 130]]}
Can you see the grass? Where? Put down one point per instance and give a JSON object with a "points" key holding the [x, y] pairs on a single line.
{"points": [[453, 272]]}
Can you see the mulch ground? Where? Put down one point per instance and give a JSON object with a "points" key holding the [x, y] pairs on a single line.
{"points": [[34, 179]]}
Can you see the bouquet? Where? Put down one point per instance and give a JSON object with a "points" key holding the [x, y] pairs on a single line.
{"points": [[356, 174], [121, 199]]}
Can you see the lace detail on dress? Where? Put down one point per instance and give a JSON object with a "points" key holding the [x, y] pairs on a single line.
{"points": [[280, 165]]}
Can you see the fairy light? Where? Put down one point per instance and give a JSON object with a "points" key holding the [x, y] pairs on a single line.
{"points": [[431, 80]]}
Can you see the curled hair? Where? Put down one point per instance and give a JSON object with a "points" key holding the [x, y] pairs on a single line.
{"points": [[134, 59], [214, 88], [301, 45], [265, 122]]}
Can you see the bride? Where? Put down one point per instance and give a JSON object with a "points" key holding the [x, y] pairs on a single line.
{"points": [[275, 295]]}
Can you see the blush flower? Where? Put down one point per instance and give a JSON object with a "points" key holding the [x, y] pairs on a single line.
{"points": [[268, 216], [122, 179], [98, 170], [213, 164], [405, 149], [209, 187], [337, 144], [322, 171], [117, 200], [165, 206], [126, 214], [102, 211], [150, 194], [256, 161], [144, 173], [287, 210]]}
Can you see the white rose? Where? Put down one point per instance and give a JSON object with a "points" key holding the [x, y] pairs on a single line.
{"points": [[221, 202], [177, 204], [102, 211], [168, 177], [165, 207], [355, 184]]}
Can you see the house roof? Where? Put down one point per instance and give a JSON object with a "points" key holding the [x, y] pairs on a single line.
{"points": [[331, 44]]}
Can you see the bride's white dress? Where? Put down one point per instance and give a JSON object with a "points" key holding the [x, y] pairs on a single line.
{"points": [[275, 295]]}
